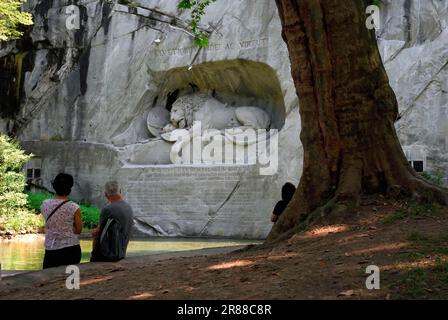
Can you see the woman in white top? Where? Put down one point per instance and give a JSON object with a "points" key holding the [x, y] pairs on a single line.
{"points": [[63, 225]]}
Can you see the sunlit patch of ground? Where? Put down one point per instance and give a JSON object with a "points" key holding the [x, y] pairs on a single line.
{"points": [[95, 280], [320, 232], [231, 264], [382, 248], [141, 296]]}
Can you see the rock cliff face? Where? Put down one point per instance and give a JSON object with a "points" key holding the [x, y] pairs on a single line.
{"points": [[81, 99], [414, 43], [87, 93]]}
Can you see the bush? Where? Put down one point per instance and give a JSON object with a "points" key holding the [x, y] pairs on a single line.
{"points": [[14, 216], [90, 214], [21, 222], [35, 200], [12, 179], [434, 177]]}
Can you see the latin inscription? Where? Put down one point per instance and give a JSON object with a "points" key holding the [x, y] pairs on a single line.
{"points": [[213, 47]]}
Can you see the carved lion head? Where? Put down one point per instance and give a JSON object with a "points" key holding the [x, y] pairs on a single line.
{"points": [[178, 115], [183, 110]]}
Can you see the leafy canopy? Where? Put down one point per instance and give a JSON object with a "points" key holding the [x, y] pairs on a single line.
{"points": [[11, 18], [197, 8]]}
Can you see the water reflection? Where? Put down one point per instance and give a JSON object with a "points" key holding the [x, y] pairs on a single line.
{"points": [[26, 253]]}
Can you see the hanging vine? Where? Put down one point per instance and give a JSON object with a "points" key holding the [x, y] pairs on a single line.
{"points": [[197, 8]]}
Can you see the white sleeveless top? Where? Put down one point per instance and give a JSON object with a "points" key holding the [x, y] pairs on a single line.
{"points": [[59, 231]]}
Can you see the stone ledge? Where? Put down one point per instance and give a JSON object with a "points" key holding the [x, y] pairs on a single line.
{"points": [[39, 278]]}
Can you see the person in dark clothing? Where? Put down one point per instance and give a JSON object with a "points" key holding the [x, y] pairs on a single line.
{"points": [[118, 210], [288, 191]]}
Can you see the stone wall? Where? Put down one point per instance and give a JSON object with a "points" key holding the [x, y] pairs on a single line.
{"points": [[226, 201]]}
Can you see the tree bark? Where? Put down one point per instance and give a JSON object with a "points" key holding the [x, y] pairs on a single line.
{"points": [[347, 109]]}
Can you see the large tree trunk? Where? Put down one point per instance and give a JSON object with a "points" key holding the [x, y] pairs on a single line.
{"points": [[347, 109]]}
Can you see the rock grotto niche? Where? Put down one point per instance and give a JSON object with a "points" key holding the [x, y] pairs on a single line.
{"points": [[231, 100]]}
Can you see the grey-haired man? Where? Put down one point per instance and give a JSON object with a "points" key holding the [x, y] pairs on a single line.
{"points": [[119, 211]]}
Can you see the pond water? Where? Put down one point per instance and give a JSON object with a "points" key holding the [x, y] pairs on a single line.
{"points": [[26, 253]]}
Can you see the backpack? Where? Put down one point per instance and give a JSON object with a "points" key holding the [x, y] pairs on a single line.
{"points": [[112, 242]]}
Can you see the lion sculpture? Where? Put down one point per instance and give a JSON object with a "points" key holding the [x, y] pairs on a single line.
{"points": [[214, 114]]}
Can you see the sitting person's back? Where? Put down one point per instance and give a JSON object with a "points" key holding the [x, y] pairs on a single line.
{"points": [[121, 211], [288, 191], [114, 231], [63, 224]]}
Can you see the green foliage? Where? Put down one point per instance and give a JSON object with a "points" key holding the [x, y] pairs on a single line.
{"points": [[414, 209], [425, 272], [394, 218], [197, 8], [21, 222], [14, 216], [434, 177], [90, 214], [423, 282], [421, 209], [129, 3], [425, 208], [12, 179], [11, 18], [376, 3], [413, 256], [416, 236], [415, 282], [432, 241], [35, 200]]}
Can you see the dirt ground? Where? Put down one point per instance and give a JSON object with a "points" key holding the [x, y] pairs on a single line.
{"points": [[329, 262]]}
